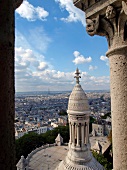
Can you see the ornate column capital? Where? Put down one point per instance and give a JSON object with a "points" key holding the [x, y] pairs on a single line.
{"points": [[106, 18]]}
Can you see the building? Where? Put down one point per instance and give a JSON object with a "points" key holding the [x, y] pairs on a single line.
{"points": [[98, 129], [79, 155]]}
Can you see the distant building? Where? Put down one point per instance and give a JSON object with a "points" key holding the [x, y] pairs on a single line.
{"points": [[38, 130], [101, 129], [62, 120]]}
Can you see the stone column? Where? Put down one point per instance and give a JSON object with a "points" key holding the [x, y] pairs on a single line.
{"points": [[78, 135], [109, 19], [82, 136], [7, 109], [86, 130], [85, 133], [73, 134], [70, 133], [118, 84]]}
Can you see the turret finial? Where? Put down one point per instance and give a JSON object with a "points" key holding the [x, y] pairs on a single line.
{"points": [[77, 76]]}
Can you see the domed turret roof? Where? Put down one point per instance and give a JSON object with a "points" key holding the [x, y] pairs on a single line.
{"points": [[78, 99]]}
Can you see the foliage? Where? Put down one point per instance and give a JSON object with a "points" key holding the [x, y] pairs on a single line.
{"points": [[27, 143], [50, 136], [62, 113], [102, 160], [106, 115], [31, 141], [92, 120]]}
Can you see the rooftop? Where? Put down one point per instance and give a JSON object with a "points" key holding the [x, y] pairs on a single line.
{"points": [[50, 157]]}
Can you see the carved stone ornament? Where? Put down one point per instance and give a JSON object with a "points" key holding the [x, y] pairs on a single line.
{"points": [[124, 7], [92, 26], [110, 12]]}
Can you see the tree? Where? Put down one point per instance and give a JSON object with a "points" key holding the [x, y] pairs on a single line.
{"points": [[92, 120], [103, 161], [27, 143], [62, 113], [31, 141]]}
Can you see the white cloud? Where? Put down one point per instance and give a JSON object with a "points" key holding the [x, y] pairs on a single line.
{"points": [[28, 80], [80, 59], [42, 66], [92, 67], [75, 14], [31, 13], [25, 59], [105, 59]]}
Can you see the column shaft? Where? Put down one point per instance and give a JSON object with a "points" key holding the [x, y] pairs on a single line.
{"points": [[70, 132], [88, 133], [82, 135], [86, 130], [77, 135], [118, 77], [7, 112], [73, 134]]}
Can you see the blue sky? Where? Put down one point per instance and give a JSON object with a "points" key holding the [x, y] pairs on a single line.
{"points": [[51, 42]]}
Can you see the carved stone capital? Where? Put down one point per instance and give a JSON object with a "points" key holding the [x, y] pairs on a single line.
{"points": [[112, 25], [106, 18]]}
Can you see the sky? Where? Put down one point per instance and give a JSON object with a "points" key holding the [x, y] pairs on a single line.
{"points": [[51, 42]]}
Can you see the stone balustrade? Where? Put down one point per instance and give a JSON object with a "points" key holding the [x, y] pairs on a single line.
{"points": [[23, 163]]}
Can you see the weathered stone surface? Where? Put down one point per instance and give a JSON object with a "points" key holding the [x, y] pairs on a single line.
{"points": [[112, 24], [7, 149], [7, 138]]}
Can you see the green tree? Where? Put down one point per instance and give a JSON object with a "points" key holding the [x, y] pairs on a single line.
{"points": [[62, 112], [27, 143], [31, 141], [102, 160], [92, 120]]}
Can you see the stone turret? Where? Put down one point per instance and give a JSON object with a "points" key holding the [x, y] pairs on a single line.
{"points": [[59, 140], [21, 165], [79, 155]]}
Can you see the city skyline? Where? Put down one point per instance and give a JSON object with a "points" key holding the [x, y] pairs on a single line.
{"points": [[51, 42]]}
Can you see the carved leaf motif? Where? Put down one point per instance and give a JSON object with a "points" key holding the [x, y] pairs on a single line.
{"points": [[124, 7]]}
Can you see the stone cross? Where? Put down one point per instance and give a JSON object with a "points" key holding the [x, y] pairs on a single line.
{"points": [[77, 76]]}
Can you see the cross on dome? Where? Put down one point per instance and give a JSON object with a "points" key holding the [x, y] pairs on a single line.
{"points": [[77, 76]]}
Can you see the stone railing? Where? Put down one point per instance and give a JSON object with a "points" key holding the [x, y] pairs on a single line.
{"points": [[23, 163]]}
